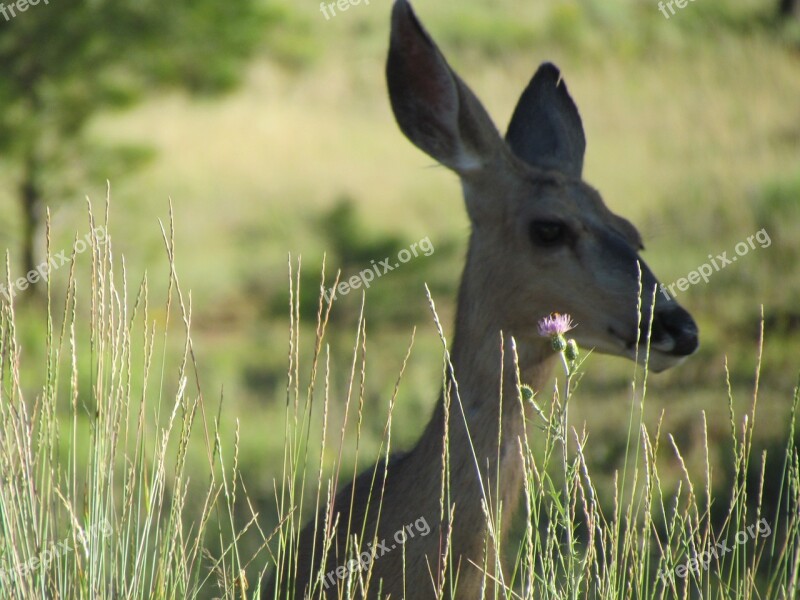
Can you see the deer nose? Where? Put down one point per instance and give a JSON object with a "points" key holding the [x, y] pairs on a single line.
{"points": [[675, 327]]}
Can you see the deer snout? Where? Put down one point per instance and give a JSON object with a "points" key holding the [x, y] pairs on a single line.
{"points": [[674, 331]]}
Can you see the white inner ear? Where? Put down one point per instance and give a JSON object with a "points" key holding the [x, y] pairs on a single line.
{"points": [[465, 161]]}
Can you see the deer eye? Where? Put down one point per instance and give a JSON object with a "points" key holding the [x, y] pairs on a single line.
{"points": [[548, 233]]}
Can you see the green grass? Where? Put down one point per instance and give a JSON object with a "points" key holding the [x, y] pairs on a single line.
{"points": [[124, 476], [97, 498]]}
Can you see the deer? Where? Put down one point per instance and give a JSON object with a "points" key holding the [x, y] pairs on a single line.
{"points": [[541, 240]]}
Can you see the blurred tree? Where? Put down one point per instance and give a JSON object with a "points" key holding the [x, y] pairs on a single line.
{"points": [[62, 62], [789, 9]]}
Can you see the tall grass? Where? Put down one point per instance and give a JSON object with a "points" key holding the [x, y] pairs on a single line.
{"points": [[96, 500]]}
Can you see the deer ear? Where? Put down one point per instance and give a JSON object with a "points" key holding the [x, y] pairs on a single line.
{"points": [[546, 129], [433, 107]]}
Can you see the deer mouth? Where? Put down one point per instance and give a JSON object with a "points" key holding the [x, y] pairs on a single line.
{"points": [[672, 339]]}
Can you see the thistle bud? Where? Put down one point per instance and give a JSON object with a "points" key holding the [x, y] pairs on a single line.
{"points": [[527, 392], [571, 351], [559, 343]]}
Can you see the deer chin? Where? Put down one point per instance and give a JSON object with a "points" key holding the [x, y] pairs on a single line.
{"points": [[659, 357], [658, 361]]}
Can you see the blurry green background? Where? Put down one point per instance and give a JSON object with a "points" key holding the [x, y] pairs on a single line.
{"points": [[693, 129]]}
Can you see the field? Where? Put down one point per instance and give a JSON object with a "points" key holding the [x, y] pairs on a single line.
{"points": [[693, 130]]}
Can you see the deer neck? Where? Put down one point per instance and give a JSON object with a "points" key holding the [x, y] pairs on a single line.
{"points": [[480, 408]]}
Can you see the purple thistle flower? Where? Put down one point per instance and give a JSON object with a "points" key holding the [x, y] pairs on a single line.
{"points": [[555, 325]]}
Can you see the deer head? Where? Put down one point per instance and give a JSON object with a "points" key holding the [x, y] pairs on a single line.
{"points": [[542, 239]]}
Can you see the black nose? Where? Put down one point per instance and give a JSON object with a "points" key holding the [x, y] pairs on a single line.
{"points": [[677, 325]]}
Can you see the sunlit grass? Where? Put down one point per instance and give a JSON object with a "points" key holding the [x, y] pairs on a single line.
{"points": [[123, 478], [98, 457]]}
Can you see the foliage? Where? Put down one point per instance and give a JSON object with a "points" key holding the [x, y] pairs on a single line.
{"points": [[65, 62]]}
